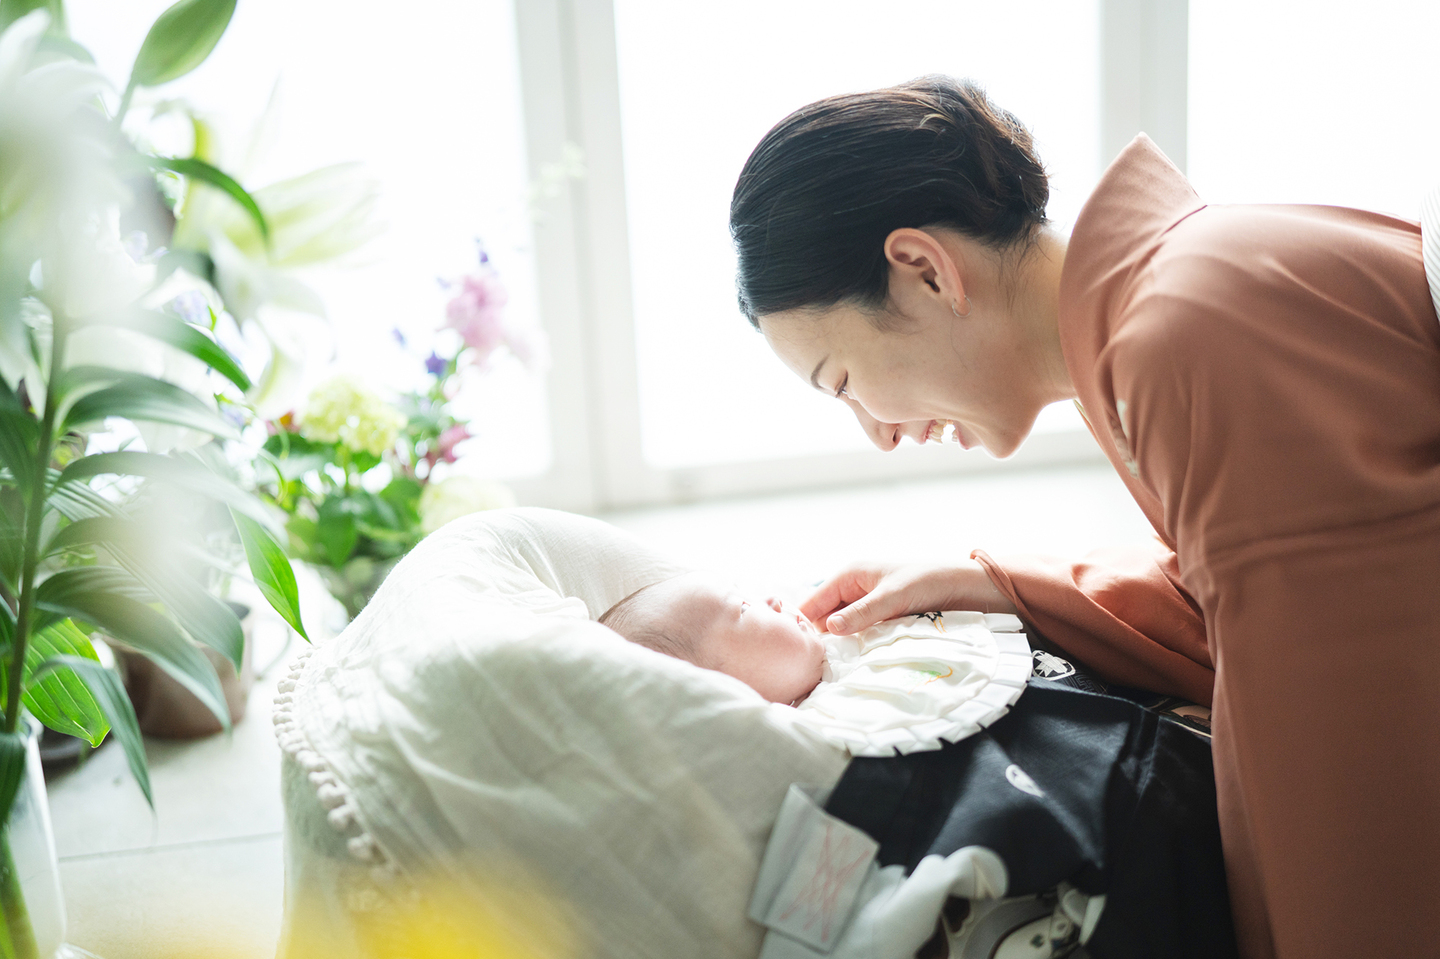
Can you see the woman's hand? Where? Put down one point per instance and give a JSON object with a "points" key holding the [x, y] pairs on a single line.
{"points": [[866, 594]]}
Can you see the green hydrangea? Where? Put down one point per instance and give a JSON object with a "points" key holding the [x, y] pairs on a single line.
{"points": [[341, 410]]}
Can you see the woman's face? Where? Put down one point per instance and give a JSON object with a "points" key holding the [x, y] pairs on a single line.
{"points": [[931, 366]]}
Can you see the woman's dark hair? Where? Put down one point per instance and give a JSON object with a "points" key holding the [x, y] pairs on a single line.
{"points": [[830, 182]]}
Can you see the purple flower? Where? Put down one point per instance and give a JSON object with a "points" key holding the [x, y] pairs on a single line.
{"points": [[477, 313], [399, 337], [192, 307], [435, 364], [136, 245]]}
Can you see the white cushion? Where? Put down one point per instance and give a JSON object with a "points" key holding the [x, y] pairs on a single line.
{"points": [[474, 725]]}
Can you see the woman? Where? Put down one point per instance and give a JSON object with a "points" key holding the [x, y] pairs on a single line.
{"points": [[1266, 381]]}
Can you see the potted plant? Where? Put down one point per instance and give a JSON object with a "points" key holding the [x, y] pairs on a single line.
{"points": [[83, 311]]}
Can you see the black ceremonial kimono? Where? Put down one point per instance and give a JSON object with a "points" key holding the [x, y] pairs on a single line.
{"points": [[1071, 786]]}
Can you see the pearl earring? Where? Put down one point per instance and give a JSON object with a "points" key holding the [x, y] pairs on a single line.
{"points": [[955, 308]]}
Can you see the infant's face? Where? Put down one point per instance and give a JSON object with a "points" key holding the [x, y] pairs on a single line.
{"points": [[765, 644]]}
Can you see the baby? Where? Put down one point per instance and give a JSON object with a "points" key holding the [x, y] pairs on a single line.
{"points": [[703, 620], [903, 685]]}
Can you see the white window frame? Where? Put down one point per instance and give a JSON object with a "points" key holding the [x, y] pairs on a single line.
{"points": [[571, 94]]}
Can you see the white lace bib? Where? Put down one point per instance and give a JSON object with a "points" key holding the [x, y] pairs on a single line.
{"points": [[908, 684]]}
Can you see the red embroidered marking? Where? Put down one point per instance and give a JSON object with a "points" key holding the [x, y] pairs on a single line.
{"points": [[820, 895]]}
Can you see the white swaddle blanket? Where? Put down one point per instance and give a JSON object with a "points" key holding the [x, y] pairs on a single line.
{"points": [[476, 730], [908, 684], [474, 727]]}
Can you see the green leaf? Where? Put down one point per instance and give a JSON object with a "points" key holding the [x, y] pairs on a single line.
{"points": [[180, 40], [337, 530], [78, 382], [77, 501], [107, 691], [198, 169], [171, 469], [7, 625], [177, 333], [106, 579], [12, 539], [58, 698], [93, 531], [64, 45], [12, 769], [304, 537], [403, 493], [194, 262], [292, 455], [138, 397], [19, 438], [271, 570], [363, 462], [12, 10], [204, 617], [138, 626], [188, 339]]}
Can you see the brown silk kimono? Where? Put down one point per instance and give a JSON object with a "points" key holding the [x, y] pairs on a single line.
{"points": [[1266, 381]]}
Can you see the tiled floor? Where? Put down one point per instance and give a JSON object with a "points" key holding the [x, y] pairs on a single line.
{"points": [[202, 878]]}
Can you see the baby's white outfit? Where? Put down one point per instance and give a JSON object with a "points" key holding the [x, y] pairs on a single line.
{"points": [[908, 684]]}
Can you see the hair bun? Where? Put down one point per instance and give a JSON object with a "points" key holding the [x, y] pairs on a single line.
{"points": [[827, 184]]}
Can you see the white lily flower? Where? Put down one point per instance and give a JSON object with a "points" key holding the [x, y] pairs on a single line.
{"points": [[279, 387], [49, 164], [55, 180], [315, 218], [248, 283], [91, 273], [188, 295]]}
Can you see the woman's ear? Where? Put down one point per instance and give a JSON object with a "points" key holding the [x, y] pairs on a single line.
{"points": [[924, 275]]}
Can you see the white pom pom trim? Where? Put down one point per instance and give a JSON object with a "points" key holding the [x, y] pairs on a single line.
{"points": [[332, 794]]}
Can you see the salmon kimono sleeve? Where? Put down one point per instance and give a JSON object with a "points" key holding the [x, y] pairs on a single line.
{"points": [[1120, 611]]}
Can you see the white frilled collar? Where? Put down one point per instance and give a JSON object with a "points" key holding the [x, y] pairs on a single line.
{"points": [[909, 684]]}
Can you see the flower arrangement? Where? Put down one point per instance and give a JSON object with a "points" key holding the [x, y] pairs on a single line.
{"points": [[361, 480]]}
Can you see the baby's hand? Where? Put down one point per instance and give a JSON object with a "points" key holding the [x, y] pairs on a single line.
{"points": [[866, 594]]}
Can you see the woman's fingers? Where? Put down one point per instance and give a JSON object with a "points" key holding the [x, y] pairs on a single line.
{"points": [[878, 605], [840, 591], [860, 597], [899, 592]]}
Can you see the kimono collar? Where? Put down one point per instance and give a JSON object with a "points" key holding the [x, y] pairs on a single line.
{"points": [[1139, 197]]}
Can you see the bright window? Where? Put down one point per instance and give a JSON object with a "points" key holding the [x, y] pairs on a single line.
{"points": [[1315, 101], [701, 83], [428, 99]]}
